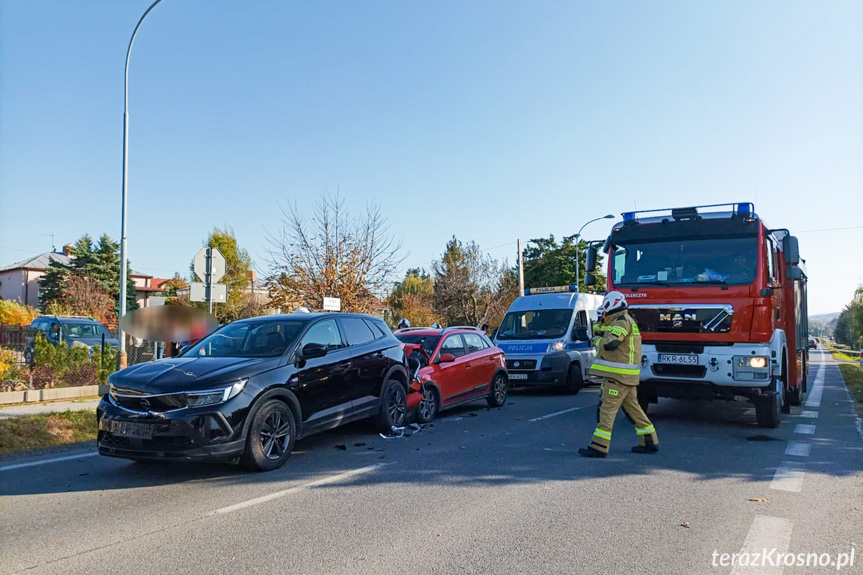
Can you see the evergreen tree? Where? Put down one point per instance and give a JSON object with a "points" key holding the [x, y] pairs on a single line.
{"points": [[547, 263]]}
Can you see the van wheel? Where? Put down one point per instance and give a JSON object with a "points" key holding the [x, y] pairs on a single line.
{"points": [[394, 405], [270, 438], [574, 379], [497, 393]]}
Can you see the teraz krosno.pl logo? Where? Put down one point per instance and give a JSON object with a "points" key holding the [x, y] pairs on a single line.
{"points": [[776, 558]]}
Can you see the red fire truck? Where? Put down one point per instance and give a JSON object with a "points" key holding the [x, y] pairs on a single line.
{"points": [[720, 299]]}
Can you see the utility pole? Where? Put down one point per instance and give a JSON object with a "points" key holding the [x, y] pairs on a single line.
{"points": [[520, 269]]}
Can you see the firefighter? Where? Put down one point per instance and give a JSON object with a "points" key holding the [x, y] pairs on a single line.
{"points": [[618, 362]]}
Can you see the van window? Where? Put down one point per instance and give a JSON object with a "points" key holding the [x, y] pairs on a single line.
{"points": [[537, 324]]}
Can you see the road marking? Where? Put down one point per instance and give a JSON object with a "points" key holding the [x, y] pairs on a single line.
{"points": [[804, 429], [809, 414], [789, 477], [798, 448], [46, 461], [298, 488], [814, 399], [766, 533], [556, 413]]}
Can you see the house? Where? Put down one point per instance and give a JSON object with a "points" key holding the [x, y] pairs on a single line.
{"points": [[20, 281]]}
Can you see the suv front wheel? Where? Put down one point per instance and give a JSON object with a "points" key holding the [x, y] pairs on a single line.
{"points": [[271, 437]]}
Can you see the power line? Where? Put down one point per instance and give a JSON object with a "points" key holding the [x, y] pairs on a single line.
{"points": [[829, 230]]}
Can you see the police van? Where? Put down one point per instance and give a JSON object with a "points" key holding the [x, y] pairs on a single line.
{"points": [[546, 334]]}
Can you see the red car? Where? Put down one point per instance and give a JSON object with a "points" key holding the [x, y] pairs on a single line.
{"points": [[453, 366]]}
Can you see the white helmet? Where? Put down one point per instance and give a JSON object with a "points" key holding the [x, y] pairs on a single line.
{"points": [[436, 325], [612, 302], [404, 323], [302, 309]]}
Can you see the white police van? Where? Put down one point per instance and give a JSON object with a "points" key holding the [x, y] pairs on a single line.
{"points": [[545, 336]]}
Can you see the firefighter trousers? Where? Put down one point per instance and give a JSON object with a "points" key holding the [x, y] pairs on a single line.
{"points": [[614, 396]]}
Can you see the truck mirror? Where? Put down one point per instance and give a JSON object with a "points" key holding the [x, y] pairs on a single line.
{"points": [[794, 273], [790, 250], [589, 279], [766, 292], [591, 259]]}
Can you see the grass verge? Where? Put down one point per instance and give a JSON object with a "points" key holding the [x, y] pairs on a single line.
{"points": [[841, 356], [46, 430], [854, 380]]}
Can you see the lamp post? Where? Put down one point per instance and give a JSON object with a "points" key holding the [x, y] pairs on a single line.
{"points": [[577, 239], [121, 355]]}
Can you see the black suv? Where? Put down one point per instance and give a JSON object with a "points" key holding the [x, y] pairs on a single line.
{"points": [[251, 388]]}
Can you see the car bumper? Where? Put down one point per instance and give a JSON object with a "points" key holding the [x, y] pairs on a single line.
{"points": [[183, 435], [553, 370]]}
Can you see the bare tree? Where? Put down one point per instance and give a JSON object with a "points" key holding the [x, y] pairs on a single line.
{"points": [[332, 255]]}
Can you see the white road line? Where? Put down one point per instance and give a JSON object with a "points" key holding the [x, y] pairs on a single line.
{"points": [[766, 533], [556, 413], [798, 448], [814, 399], [804, 429], [46, 461], [789, 477], [809, 414], [298, 488]]}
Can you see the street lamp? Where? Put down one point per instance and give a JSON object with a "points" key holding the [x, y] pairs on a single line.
{"points": [[121, 355], [577, 238]]}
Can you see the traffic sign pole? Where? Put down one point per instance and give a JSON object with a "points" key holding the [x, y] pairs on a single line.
{"points": [[210, 278]]}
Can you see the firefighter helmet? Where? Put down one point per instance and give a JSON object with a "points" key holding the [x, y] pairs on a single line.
{"points": [[302, 309], [612, 302], [404, 323]]}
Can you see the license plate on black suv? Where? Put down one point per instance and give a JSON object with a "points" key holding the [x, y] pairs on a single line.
{"points": [[678, 359], [128, 428]]}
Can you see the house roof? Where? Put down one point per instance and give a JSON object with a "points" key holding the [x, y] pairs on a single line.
{"points": [[40, 262]]}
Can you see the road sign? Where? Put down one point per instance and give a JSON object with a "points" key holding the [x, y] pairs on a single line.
{"points": [[198, 292], [332, 304], [217, 264]]}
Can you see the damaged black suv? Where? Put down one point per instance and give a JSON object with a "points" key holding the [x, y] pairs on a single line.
{"points": [[247, 391]]}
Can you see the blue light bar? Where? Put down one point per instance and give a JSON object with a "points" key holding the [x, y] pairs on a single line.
{"points": [[746, 208], [628, 216]]}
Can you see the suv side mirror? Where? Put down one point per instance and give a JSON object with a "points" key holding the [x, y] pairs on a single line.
{"points": [[579, 333], [590, 265], [446, 358], [589, 279], [313, 350], [790, 250]]}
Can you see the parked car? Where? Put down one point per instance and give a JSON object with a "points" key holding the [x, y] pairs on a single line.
{"points": [[453, 366], [253, 387], [813, 342], [68, 329]]}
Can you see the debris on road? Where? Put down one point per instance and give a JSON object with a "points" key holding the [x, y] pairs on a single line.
{"points": [[685, 524], [360, 444], [399, 432], [759, 499]]}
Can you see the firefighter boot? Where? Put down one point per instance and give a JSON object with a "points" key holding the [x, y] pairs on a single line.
{"points": [[591, 452]]}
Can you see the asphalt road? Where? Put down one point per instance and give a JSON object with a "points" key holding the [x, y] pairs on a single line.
{"points": [[483, 491]]}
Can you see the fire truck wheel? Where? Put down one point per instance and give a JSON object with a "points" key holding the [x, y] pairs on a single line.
{"points": [[786, 389], [793, 397], [768, 410]]}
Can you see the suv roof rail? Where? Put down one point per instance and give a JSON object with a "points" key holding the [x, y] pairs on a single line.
{"points": [[404, 329], [449, 327]]}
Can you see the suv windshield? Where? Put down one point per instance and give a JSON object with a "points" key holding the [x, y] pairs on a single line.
{"points": [[248, 339], [427, 342], [84, 329], [538, 324], [727, 261]]}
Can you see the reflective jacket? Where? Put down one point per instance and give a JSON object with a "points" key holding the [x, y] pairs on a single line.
{"points": [[620, 361]]}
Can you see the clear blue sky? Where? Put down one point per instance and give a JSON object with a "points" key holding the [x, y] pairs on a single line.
{"points": [[488, 120]]}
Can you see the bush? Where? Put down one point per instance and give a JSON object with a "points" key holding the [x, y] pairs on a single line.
{"points": [[83, 374], [7, 364], [43, 377], [14, 313]]}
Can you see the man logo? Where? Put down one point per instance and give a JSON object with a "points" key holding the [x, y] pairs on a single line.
{"points": [[676, 319]]}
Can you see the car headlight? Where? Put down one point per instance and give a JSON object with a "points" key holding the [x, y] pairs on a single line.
{"points": [[758, 362], [557, 345], [214, 396], [751, 367]]}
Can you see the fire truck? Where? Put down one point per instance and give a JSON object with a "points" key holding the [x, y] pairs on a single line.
{"points": [[720, 300]]}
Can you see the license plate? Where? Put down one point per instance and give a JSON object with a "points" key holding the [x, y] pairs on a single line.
{"points": [[128, 429], [518, 376], [680, 359]]}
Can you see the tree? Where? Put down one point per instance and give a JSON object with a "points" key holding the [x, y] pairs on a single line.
{"points": [[470, 287], [100, 265], [332, 255], [238, 278], [413, 299], [547, 263], [844, 333]]}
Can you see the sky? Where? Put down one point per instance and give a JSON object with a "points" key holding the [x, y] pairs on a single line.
{"points": [[485, 120]]}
